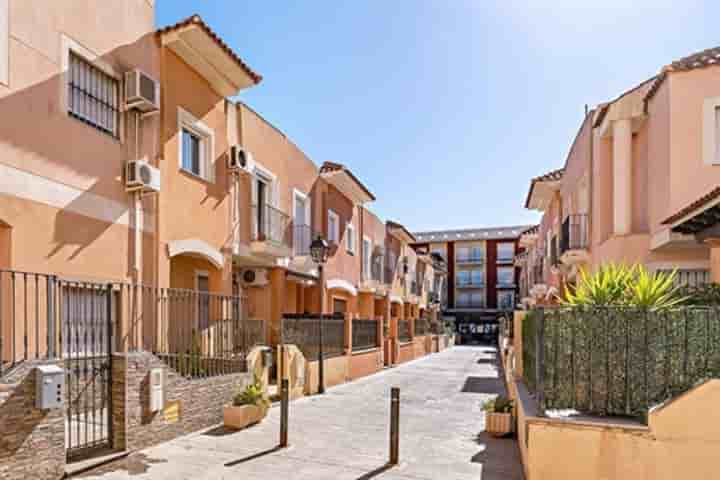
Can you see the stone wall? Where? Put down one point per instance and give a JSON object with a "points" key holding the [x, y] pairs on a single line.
{"points": [[32, 441], [190, 404]]}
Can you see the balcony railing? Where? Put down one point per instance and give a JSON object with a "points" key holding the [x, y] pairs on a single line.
{"points": [[270, 225], [303, 235], [471, 283], [469, 304], [574, 233], [471, 259]]}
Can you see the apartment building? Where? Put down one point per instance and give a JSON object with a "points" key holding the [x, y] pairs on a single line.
{"points": [[482, 280], [639, 183], [151, 228]]}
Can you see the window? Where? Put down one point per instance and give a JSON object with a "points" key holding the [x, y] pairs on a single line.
{"points": [[366, 257], [350, 238], [339, 305], [476, 277], [506, 300], [191, 152], [196, 146], [505, 252], [477, 299], [506, 276], [202, 285], [463, 253], [463, 277], [477, 254], [463, 300], [92, 95], [333, 227], [711, 131]]}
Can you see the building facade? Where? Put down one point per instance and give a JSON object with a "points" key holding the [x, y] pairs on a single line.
{"points": [[482, 280], [639, 184]]}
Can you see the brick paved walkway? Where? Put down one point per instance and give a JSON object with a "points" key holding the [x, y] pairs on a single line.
{"points": [[343, 434]]}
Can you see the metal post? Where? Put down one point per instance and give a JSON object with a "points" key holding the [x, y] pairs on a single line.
{"points": [[321, 366], [540, 359], [50, 294], [394, 426], [284, 408]]}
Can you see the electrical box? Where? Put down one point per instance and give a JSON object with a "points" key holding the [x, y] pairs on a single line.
{"points": [[267, 358], [49, 387], [157, 378]]}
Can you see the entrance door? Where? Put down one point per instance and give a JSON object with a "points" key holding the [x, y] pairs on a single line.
{"points": [[86, 314]]}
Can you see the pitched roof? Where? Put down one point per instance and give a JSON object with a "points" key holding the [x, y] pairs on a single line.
{"points": [[532, 230], [488, 233], [197, 20], [551, 176], [329, 167], [694, 206], [705, 58], [399, 226]]}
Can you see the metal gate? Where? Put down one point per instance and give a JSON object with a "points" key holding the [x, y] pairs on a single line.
{"points": [[87, 342]]}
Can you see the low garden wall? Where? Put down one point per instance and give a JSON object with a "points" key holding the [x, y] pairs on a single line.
{"points": [[364, 363], [406, 352], [679, 440], [336, 371]]}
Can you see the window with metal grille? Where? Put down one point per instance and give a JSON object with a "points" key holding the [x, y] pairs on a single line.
{"points": [[92, 95]]}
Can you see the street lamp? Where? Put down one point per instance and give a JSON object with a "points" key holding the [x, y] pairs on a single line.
{"points": [[319, 252]]}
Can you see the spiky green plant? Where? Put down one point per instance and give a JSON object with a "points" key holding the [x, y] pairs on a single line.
{"points": [[622, 285], [254, 394], [607, 286], [655, 291]]}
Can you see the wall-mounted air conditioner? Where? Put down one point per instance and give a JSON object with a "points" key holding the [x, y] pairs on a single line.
{"points": [[254, 277], [239, 160], [139, 175], [142, 92]]}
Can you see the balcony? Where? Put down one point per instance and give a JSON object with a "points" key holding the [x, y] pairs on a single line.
{"points": [[373, 280], [271, 233], [574, 240], [521, 259], [302, 237], [472, 260], [471, 284]]}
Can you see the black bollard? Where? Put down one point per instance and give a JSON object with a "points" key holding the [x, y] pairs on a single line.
{"points": [[394, 426], [284, 407]]}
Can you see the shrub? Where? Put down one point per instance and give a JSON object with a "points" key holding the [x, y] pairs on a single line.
{"points": [[252, 395], [705, 294], [499, 404], [620, 285]]}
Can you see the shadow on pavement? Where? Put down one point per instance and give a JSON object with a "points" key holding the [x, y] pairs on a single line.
{"points": [[483, 385], [375, 472], [253, 456]]}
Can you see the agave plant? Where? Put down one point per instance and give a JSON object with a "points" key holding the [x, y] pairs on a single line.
{"points": [[607, 286], [655, 291], [618, 285]]}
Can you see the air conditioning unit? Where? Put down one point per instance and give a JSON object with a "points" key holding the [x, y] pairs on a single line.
{"points": [[240, 160], [139, 175], [142, 92], [254, 277]]}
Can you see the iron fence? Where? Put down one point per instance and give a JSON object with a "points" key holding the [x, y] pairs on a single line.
{"points": [[303, 330], [404, 330], [421, 327], [618, 361], [365, 334]]}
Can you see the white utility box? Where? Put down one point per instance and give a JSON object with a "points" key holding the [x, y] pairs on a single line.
{"points": [[49, 387], [156, 389]]}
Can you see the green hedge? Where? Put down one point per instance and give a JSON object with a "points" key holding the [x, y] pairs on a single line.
{"points": [[620, 361]]}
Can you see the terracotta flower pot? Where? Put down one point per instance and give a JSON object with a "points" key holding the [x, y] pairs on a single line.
{"points": [[242, 416], [498, 424]]}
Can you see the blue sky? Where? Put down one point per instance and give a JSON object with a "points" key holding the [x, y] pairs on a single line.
{"points": [[446, 108]]}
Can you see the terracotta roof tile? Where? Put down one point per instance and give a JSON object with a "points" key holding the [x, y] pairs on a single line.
{"points": [[697, 204], [338, 167], [706, 58], [197, 20], [551, 176]]}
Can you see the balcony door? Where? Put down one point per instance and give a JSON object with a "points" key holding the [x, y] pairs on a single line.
{"points": [[301, 224]]}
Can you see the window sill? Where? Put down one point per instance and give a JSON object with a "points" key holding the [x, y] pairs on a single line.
{"points": [[195, 176]]}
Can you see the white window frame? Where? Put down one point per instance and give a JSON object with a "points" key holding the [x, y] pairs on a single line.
{"points": [[297, 194], [334, 234], [367, 256], [711, 131], [186, 121], [350, 239]]}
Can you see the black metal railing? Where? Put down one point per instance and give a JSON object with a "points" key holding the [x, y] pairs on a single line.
{"points": [[574, 233], [198, 334], [404, 331], [618, 361], [421, 327], [270, 225], [304, 331], [365, 334], [694, 277]]}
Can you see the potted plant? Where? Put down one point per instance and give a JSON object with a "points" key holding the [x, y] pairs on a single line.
{"points": [[248, 407], [498, 416]]}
